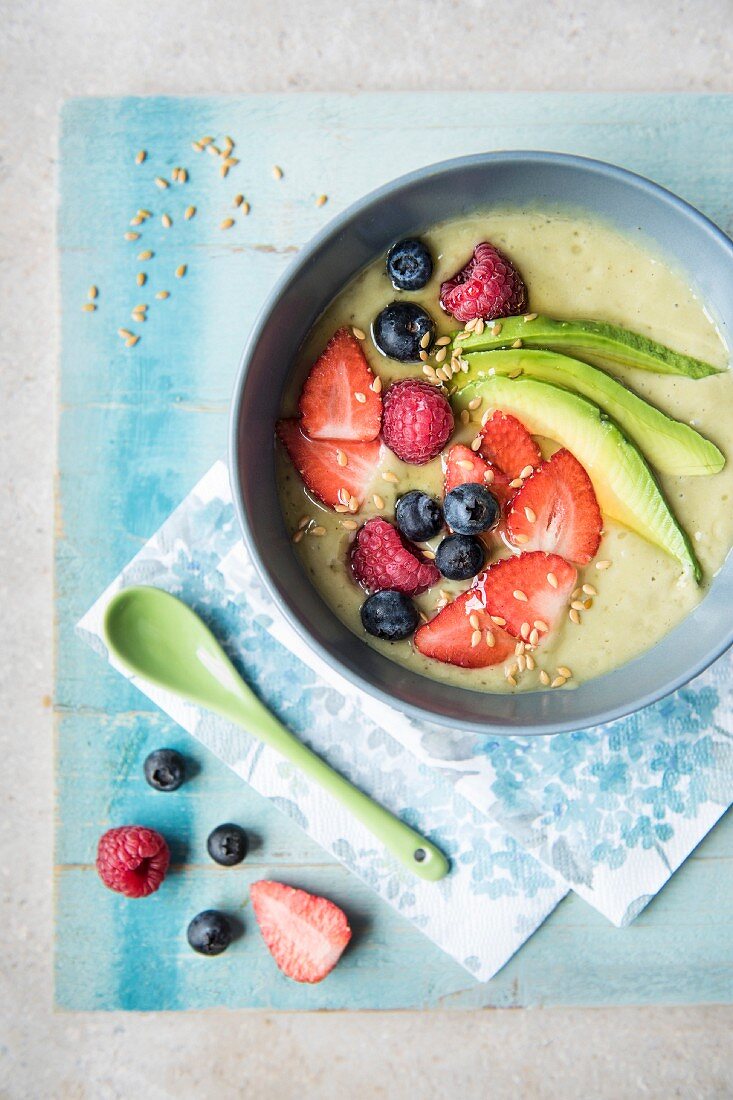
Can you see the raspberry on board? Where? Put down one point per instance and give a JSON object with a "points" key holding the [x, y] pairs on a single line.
{"points": [[132, 860]]}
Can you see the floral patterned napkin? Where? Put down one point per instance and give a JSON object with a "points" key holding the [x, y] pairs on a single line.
{"points": [[610, 811]]}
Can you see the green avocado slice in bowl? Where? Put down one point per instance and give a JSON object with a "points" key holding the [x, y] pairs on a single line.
{"points": [[626, 488], [669, 445], [612, 342]]}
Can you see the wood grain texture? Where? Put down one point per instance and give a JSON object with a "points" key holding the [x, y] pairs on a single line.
{"points": [[138, 428]]}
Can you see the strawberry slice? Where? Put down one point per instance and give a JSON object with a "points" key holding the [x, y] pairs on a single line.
{"points": [[557, 510], [532, 588], [450, 636], [462, 465], [316, 460], [305, 934], [337, 400], [506, 443]]}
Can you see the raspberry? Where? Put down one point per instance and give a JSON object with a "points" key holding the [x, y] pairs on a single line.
{"points": [[416, 422], [488, 286], [132, 860], [380, 559]]}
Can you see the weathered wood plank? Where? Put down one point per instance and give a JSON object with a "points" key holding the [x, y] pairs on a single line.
{"points": [[139, 426]]}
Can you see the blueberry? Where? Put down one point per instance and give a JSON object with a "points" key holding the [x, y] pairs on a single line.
{"points": [[210, 932], [389, 614], [409, 264], [460, 557], [165, 769], [418, 516], [227, 844], [399, 329], [470, 509]]}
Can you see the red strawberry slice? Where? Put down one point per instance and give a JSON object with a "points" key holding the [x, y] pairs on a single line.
{"points": [[337, 400], [317, 462], [506, 443], [462, 465], [557, 510], [532, 588], [305, 934], [452, 637]]}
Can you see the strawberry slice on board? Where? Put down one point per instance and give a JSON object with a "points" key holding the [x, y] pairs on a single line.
{"points": [[532, 588], [464, 634], [305, 934], [317, 462], [337, 400], [506, 443], [557, 510]]}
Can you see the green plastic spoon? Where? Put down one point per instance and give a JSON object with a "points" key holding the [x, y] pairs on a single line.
{"points": [[159, 638]]}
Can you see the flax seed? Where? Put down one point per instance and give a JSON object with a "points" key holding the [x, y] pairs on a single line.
{"points": [[475, 638], [130, 236], [519, 595], [214, 150], [429, 371], [475, 403], [237, 200], [465, 463], [495, 329], [470, 325], [341, 458], [89, 307], [204, 141], [440, 355], [526, 471], [577, 605], [425, 340], [189, 213], [465, 417], [476, 443], [534, 636], [511, 681], [358, 333], [340, 508], [388, 475], [277, 172], [488, 476], [540, 624], [490, 639], [227, 223], [552, 580], [473, 620], [498, 620], [587, 604], [124, 333], [319, 532], [161, 183], [429, 554], [521, 540], [515, 373], [145, 255], [140, 157], [530, 662], [303, 522], [297, 536], [360, 397], [166, 221], [174, 175], [353, 504], [137, 220], [182, 175], [516, 483], [524, 631], [479, 326], [442, 341], [544, 678], [197, 147], [530, 514], [245, 209], [563, 671], [376, 385], [517, 344], [378, 501], [321, 200], [530, 317], [558, 682], [423, 356], [574, 616], [181, 270], [163, 294], [521, 662], [601, 565], [349, 524], [590, 590], [343, 495], [131, 341], [141, 278], [144, 214]]}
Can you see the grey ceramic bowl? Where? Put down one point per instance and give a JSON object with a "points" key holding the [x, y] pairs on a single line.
{"points": [[352, 240]]}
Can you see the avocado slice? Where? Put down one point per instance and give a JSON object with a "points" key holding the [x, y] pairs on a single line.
{"points": [[612, 342], [670, 445], [624, 484]]}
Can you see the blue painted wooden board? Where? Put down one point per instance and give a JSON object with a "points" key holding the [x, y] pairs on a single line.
{"points": [[138, 428]]}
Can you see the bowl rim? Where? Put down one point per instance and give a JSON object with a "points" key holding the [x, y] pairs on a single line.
{"points": [[304, 257]]}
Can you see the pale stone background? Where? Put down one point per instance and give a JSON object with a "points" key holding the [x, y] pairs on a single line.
{"points": [[49, 51]]}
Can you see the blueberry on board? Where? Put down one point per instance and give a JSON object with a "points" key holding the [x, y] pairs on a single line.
{"points": [[470, 509], [390, 615], [227, 844], [165, 769], [210, 932], [409, 264], [418, 516], [398, 331], [460, 556]]}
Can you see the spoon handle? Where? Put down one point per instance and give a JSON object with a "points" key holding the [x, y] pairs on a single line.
{"points": [[412, 849]]}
